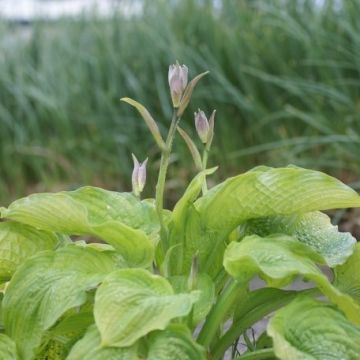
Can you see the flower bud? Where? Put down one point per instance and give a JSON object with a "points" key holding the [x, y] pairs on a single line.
{"points": [[202, 126], [138, 176], [178, 79]]}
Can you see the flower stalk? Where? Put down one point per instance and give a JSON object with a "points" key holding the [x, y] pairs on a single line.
{"points": [[160, 186], [180, 91]]}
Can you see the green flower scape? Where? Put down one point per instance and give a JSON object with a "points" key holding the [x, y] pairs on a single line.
{"points": [[165, 285]]}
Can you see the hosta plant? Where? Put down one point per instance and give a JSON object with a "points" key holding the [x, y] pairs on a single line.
{"points": [[162, 285]]}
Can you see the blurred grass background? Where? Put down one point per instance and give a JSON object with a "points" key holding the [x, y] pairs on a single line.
{"points": [[284, 78]]}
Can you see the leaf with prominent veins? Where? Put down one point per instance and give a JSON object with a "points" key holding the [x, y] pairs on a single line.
{"points": [[89, 348], [174, 343], [121, 219], [46, 286], [19, 242], [130, 303], [313, 229], [307, 329], [279, 259], [259, 193]]}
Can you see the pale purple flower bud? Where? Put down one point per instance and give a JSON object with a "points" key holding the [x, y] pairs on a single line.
{"points": [[178, 79], [138, 176], [202, 126]]}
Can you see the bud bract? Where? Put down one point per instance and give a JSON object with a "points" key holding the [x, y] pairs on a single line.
{"points": [[178, 79], [138, 176], [211, 128], [202, 126]]}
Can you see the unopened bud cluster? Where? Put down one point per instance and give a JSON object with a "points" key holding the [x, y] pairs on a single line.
{"points": [[181, 91]]}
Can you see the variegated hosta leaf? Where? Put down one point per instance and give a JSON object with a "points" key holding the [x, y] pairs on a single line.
{"points": [[347, 276], [259, 193], [47, 285], [89, 348], [313, 229], [174, 343], [121, 219], [7, 348], [307, 329], [205, 285], [278, 259], [132, 302], [18, 242]]}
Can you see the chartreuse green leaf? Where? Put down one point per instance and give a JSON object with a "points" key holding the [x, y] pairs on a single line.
{"points": [[347, 276], [278, 259], [174, 343], [205, 285], [89, 348], [132, 302], [313, 229], [179, 217], [121, 219], [259, 193], [47, 285], [277, 191], [307, 329], [7, 348], [18, 242]]}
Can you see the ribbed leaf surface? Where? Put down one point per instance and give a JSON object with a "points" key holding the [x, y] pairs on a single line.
{"points": [[262, 192], [121, 219], [174, 343], [46, 286], [132, 302], [313, 229], [278, 260], [307, 329], [89, 348], [18, 242]]}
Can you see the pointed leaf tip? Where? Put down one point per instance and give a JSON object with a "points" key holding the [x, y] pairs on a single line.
{"points": [[149, 120]]}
